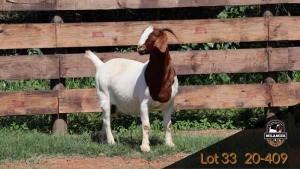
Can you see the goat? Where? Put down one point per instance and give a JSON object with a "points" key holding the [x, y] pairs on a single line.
{"points": [[272, 130], [132, 87], [277, 130]]}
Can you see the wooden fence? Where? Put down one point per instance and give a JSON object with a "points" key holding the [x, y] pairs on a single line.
{"points": [[60, 35], [50, 5]]}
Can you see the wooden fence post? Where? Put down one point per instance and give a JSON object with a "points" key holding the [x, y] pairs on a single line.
{"points": [[59, 121], [270, 77]]}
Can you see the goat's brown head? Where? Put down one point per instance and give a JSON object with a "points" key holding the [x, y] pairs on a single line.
{"points": [[153, 39]]}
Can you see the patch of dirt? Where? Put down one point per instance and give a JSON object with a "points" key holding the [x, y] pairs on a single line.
{"points": [[95, 163], [212, 132]]}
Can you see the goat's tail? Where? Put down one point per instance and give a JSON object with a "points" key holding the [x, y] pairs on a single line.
{"points": [[90, 55]]}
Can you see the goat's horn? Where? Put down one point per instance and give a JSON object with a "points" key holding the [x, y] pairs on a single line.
{"points": [[171, 31]]}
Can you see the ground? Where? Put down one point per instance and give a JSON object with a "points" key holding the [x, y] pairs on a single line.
{"points": [[107, 162], [96, 163]]}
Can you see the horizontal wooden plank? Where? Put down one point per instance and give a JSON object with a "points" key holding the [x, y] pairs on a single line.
{"points": [[37, 5], [200, 97], [285, 94], [293, 94], [28, 103], [281, 94], [220, 61], [13, 36], [128, 33], [278, 28], [27, 5], [283, 59], [294, 59], [222, 96], [78, 100], [29, 67], [199, 62], [294, 28], [189, 62], [189, 97], [284, 28], [185, 62], [278, 59]]}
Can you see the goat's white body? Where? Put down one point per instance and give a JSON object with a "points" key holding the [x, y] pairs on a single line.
{"points": [[272, 130], [121, 82], [124, 82]]}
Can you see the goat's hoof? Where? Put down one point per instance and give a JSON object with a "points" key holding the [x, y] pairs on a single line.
{"points": [[170, 144], [111, 142], [145, 148]]}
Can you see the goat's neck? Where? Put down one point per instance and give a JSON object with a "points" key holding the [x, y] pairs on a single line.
{"points": [[159, 76]]}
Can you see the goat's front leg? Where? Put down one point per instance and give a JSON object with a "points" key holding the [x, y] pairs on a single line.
{"points": [[145, 147], [167, 124]]}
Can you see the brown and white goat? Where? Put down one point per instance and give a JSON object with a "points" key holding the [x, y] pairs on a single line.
{"points": [[133, 87]]}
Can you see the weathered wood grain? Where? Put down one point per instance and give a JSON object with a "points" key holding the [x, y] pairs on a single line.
{"points": [[294, 58], [78, 100], [279, 28], [185, 62], [199, 62], [14, 36], [200, 97], [293, 94], [19, 36], [189, 97], [38, 5], [278, 59], [222, 96], [28, 103], [284, 28], [220, 61], [287, 94], [280, 94], [140, 4], [29, 67], [293, 28], [27, 5], [198, 31], [189, 62]]}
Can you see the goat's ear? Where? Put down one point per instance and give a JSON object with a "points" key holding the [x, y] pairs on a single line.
{"points": [[161, 43]]}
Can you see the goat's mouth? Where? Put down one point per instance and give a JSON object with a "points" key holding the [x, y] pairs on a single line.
{"points": [[143, 52]]}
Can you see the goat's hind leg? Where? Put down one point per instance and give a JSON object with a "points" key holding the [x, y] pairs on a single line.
{"points": [[106, 128]]}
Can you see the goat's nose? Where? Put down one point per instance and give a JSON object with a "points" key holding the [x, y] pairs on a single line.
{"points": [[137, 48]]}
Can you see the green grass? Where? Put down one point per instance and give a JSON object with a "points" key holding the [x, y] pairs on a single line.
{"points": [[18, 145]]}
